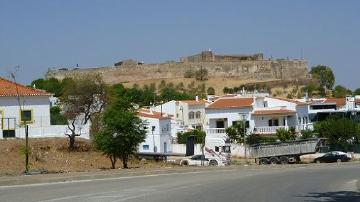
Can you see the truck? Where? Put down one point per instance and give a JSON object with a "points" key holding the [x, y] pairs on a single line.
{"points": [[286, 152]]}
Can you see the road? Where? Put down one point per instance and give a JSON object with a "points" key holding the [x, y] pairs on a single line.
{"points": [[335, 182]]}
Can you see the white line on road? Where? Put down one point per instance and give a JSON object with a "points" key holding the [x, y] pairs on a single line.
{"points": [[113, 178]]}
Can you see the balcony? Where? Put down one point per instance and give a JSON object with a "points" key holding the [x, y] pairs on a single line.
{"points": [[215, 132], [269, 129]]}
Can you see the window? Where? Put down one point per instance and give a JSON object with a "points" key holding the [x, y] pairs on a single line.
{"points": [[220, 124], [26, 115], [236, 122], [145, 147], [198, 114], [276, 122], [265, 104], [191, 115], [216, 149]]}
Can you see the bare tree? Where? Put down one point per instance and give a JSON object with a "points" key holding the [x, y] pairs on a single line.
{"points": [[81, 100]]}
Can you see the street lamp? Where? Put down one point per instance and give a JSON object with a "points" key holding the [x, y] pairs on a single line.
{"points": [[244, 133], [182, 114], [152, 132]]}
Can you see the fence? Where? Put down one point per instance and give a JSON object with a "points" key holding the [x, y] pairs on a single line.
{"points": [[39, 126]]}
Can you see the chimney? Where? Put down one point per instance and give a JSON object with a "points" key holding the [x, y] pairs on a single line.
{"points": [[197, 98]]}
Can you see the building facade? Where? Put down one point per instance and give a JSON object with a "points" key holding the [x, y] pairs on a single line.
{"points": [[158, 132]]}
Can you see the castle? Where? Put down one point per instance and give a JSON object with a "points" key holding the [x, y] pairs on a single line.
{"points": [[240, 66]]}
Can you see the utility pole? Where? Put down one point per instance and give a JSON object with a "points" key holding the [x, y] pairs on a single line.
{"points": [[13, 76], [26, 148], [244, 138]]}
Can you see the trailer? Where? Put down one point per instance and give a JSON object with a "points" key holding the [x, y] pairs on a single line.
{"points": [[286, 152]]}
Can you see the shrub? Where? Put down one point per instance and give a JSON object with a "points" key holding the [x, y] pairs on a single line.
{"points": [[189, 74]]}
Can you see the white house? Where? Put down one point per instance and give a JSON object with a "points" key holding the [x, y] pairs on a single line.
{"points": [[20, 105], [158, 136], [185, 114], [320, 108], [34, 110], [262, 115]]}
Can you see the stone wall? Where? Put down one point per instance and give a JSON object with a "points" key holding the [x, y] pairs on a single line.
{"points": [[258, 69]]}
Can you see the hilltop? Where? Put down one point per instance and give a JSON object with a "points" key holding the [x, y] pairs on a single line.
{"points": [[222, 71]]}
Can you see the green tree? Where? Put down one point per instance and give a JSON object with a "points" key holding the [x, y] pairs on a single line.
{"points": [[341, 91], [51, 85], [356, 91], [189, 74], [341, 132], [122, 131], [285, 135], [305, 134], [199, 136], [56, 118], [324, 75], [210, 91], [256, 139], [237, 133], [310, 89], [80, 101], [201, 74]]}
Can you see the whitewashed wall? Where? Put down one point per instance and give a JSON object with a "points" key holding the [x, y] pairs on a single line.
{"points": [[40, 106], [161, 135], [230, 114], [50, 131], [181, 149]]}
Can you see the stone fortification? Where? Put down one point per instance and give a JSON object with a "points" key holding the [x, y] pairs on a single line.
{"points": [[241, 66]]}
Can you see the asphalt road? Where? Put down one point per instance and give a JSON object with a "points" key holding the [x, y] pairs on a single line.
{"points": [[335, 182]]}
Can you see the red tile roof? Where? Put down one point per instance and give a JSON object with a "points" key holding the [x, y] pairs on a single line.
{"points": [[273, 112], [224, 103], [194, 102], [291, 100], [339, 101], [152, 114], [10, 88]]}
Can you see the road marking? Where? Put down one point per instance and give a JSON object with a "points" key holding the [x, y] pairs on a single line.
{"points": [[113, 178]]}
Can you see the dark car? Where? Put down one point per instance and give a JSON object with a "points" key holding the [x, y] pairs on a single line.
{"points": [[334, 156]]}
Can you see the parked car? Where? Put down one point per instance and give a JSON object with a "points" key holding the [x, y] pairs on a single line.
{"points": [[334, 156], [196, 161]]}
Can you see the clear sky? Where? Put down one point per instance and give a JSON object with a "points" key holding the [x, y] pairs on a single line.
{"points": [[40, 34]]}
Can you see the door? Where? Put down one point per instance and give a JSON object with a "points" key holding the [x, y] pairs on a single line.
{"points": [[8, 127], [1, 120], [165, 147], [220, 124]]}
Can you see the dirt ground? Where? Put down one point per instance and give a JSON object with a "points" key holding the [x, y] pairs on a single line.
{"points": [[52, 155]]}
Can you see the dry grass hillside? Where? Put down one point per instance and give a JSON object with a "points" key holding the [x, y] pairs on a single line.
{"points": [[279, 88], [51, 154]]}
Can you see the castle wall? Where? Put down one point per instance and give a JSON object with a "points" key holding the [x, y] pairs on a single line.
{"points": [[259, 70]]}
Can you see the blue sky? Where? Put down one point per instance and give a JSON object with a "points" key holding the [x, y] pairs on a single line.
{"points": [[41, 34]]}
